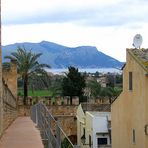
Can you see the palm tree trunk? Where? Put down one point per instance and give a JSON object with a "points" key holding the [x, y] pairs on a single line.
{"points": [[25, 89]]}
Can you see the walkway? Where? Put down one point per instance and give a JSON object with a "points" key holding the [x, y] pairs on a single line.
{"points": [[21, 134]]}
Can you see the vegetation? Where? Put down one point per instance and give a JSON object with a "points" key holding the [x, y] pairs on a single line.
{"points": [[94, 88], [39, 93], [65, 144], [110, 92], [96, 91], [28, 67], [73, 84]]}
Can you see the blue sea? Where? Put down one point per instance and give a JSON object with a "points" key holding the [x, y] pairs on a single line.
{"points": [[88, 70]]}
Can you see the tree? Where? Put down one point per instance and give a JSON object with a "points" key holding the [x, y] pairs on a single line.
{"points": [[110, 92], [94, 87], [27, 66], [73, 84]]}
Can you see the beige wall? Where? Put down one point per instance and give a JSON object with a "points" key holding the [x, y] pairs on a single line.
{"points": [[10, 77], [80, 125], [89, 129], [130, 110]]}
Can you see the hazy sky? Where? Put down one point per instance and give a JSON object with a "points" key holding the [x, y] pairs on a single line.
{"points": [[110, 25]]}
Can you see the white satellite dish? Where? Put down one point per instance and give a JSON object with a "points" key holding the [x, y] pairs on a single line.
{"points": [[137, 41]]}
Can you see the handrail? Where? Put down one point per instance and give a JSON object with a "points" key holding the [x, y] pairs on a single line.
{"points": [[50, 129]]}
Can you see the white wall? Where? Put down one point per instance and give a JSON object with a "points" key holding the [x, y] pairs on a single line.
{"points": [[96, 122], [93, 122]]}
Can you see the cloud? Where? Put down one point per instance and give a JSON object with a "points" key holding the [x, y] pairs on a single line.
{"points": [[94, 13], [107, 24]]}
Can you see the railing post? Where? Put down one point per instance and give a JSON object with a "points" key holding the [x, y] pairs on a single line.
{"points": [[49, 131], [36, 114], [39, 112], [49, 127], [58, 136]]}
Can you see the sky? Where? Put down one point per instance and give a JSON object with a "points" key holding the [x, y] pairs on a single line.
{"points": [[110, 25]]}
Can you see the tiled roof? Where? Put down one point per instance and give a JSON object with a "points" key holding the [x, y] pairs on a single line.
{"points": [[96, 107], [141, 56]]}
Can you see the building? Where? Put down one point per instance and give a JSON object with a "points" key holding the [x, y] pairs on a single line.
{"points": [[93, 125], [102, 80], [130, 109]]}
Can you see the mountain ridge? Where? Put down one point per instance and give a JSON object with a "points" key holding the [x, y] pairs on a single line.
{"points": [[59, 56]]}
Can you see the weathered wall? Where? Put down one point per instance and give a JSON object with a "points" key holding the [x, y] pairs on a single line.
{"points": [[10, 77], [23, 110], [9, 107], [8, 103], [130, 110], [66, 115]]}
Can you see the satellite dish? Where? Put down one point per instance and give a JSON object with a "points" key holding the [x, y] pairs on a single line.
{"points": [[137, 41]]}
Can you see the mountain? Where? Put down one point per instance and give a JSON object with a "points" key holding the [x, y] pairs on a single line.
{"points": [[58, 56]]}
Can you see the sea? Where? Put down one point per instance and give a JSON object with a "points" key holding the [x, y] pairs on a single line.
{"points": [[87, 70]]}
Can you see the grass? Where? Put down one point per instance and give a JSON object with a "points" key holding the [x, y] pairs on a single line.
{"points": [[39, 93]]}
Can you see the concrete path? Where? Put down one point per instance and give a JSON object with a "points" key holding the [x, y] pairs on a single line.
{"points": [[21, 134]]}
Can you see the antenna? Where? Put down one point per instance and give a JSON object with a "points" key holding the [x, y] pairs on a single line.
{"points": [[137, 41]]}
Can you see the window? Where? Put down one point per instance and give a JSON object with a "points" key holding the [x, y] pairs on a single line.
{"points": [[102, 141], [130, 81], [84, 131], [134, 137], [89, 141]]}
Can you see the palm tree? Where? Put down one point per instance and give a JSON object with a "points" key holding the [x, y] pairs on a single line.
{"points": [[28, 66], [110, 92], [94, 87]]}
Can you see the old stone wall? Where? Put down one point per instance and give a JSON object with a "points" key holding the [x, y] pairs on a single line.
{"points": [[66, 115], [10, 77], [24, 110], [9, 107]]}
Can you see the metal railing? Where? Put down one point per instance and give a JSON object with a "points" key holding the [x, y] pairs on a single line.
{"points": [[50, 129]]}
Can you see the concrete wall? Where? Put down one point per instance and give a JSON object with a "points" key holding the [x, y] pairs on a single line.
{"points": [[130, 110]]}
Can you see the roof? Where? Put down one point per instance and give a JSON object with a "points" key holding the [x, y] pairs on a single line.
{"points": [[141, 56], [96, 107]]}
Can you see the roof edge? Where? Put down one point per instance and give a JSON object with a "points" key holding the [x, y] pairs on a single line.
{"points": [[140, 62]]}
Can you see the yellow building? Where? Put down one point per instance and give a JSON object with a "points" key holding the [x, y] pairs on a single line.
{"points": [[130, 109]]}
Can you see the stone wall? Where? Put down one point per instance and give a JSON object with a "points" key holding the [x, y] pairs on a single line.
{"points": [[23, 110], [10, 77], [9, 108], [8, 103], [66, 115]]}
